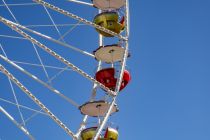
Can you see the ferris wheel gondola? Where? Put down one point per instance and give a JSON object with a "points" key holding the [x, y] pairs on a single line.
{"points": [[110, 134], [108, 78], [110, 21]]}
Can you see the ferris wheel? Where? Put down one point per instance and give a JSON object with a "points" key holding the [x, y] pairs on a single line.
{"points": [[45, 74]]}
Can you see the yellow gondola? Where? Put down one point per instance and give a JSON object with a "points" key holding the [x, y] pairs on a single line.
{"points": [[109, 20], [89, 133]]}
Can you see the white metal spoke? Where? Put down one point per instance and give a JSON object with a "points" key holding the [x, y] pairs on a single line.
{"points": [[32, 116], [48, 37], [16, 100], [14, 37], [22, 106], [40, 60], [39, 103], [58, 25], [80, 19], [53, 22], [70, 30], [16, 123], [20, 4], [57, 56], [40, 81], [13, 91], [11, 85], [37, 53], [98, 68], [38, 65], [95, 86], [57, 74], [10, 11], [81, 2]]}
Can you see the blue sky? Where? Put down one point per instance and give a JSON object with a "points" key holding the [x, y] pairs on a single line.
{"points": [[168, 97]]}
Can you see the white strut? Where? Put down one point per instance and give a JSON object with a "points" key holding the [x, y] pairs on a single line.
{"points": [[39, 103], [40, 81], [57, 56], [22, 128], [79, 18]]}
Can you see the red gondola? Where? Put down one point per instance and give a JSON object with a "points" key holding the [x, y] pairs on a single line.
{"points": [[107, 77]]}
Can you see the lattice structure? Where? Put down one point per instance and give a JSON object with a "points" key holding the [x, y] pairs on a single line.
{"points": [[110, 22]]}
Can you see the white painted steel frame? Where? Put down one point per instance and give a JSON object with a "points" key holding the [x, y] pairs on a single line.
{"points": [[50, 25], [48, 37], [38, 65], [22, 128], [80, 19], [40, 81], [93, 95], [20, 4], [114, 94], [11, 85], [57, 56], [39, 103], [22, 106], [81, 2], [119, 80]]}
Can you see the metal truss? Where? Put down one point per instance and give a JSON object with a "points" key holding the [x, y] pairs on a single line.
{"points": [[36, 100]]}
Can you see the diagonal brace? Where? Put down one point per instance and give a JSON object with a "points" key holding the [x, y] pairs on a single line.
{"points": [[39, 103], [79, 18], [57, 56]]}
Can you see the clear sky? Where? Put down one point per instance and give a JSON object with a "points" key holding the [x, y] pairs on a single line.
{"points": [[168, 97]]}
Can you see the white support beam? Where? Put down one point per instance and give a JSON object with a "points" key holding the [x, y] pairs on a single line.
{"points": [[22, 128], [81, 2], [50, 25], [53, 22], [19, 4], [48, 37], [22, 106], [95, 86], [10, 11], [39, 81], [38, 65], [39, 103], [41, 61], [93, 95], [57, 56], [120, 78], [80, 19], [14, 37], [13, 91], [70, 30]]}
